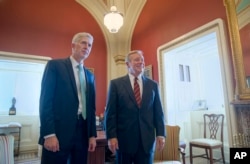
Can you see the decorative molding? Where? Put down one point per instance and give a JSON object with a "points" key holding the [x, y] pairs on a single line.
{"points": [[241, 90], [119, 59], [120, 42], [23, 57]]}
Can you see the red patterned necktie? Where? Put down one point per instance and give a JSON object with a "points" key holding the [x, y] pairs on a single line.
{"points": [[137, 92]]}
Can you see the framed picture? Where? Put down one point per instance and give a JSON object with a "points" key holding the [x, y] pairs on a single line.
{"points": [[91, 70], [148, 72]]}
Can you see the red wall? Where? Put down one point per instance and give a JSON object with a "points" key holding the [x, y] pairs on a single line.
{"points": [[191, 14], [46, 28]]}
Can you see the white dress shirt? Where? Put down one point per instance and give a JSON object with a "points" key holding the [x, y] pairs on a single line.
{"points": [[76, 70]]}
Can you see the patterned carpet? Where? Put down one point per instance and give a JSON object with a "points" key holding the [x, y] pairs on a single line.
{"points": [[28, 162], [30, 158]]}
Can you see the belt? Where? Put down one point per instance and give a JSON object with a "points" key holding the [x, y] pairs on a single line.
{"points": [[79, 116]]}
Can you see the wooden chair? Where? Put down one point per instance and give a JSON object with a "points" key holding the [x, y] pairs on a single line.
{"points": [[213, 129], [171, 151]]}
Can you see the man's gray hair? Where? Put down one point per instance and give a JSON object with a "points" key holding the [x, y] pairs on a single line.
{"points": [[80, 35], [127, 58]]}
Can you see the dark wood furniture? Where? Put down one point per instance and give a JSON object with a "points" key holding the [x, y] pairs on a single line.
{"points": [[182, 148], [98, 156]]}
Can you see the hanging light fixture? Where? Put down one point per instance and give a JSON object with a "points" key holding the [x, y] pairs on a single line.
{"points": [[113, 20]]}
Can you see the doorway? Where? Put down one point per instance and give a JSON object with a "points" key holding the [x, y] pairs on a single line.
{"points": [[195, 78]]}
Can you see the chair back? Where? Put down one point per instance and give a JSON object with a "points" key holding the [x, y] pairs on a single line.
{"points": [[213, 126], [170, 151]]}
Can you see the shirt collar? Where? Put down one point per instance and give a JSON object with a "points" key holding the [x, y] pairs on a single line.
{"points": [[74, 62], [132, 77]]}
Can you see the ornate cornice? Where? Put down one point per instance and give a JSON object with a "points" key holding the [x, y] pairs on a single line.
{"points": [[119, 59]]}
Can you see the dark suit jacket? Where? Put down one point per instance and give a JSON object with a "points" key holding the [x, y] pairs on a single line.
{"points": [[129, 123], [59, 102]]}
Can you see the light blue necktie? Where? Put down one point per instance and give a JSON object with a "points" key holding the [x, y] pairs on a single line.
{"points": [[82, 87]]}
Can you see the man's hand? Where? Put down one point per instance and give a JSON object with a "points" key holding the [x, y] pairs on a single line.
{"points": [[113, 145], [160, 142], [51, 144], [92, 144]]}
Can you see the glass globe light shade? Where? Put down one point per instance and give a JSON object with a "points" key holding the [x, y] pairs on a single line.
{"points": [[113, 20]]}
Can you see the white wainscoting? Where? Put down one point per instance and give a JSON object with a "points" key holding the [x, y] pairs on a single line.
{"points": [[29, 131]]}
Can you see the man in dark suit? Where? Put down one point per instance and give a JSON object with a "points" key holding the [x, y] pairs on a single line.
{"points": [[67, 107], [134, 116]]}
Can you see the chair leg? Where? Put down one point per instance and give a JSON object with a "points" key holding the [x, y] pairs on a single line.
{"points": [[222, 154], [207, 154], [211, 156], [183, 160], [191, 156]]}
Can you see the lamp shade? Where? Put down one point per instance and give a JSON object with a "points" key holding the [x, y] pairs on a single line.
{"points": [[113, 20]]}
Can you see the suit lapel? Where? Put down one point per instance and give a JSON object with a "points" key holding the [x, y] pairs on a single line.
{"points": [[88, 81], [71, 75], [144, 89]]}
